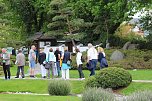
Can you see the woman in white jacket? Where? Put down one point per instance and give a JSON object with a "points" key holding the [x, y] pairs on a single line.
{"points": [[79, 64]]}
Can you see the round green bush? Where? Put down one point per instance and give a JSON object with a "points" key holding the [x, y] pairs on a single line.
{"points": [[91, 82], [97, 94], [59, 87], [113, 78], [140, 96]]}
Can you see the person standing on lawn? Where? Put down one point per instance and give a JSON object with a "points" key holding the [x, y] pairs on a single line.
{"points": [[102, 58], [92, 58], [58, 58], [32, 60], [6, 64], [66, 58], [41, 59], [51, 59], [20, 62], [79, 64]]}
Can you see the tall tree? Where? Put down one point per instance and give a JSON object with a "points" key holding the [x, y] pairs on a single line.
{"points": [[10, 35], [64, 24], [33, 13]]}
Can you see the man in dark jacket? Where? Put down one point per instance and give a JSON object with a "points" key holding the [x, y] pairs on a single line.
{"points": [[58, 57], [41, 59]]}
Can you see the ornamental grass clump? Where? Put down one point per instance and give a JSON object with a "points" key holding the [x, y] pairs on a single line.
{"points": [[140, 96], [59, 87], [97, 94]]}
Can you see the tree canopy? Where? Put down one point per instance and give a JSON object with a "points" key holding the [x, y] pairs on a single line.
{"points": [[86, 20]]}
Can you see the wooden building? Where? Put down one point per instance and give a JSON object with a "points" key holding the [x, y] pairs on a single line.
{"points": [[40, 40]]}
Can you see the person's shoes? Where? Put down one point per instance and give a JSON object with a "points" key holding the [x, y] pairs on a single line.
{"points": [[79, 78], [32, 76], [23, 77], [82, 78], [16, 77], [44, 77]]}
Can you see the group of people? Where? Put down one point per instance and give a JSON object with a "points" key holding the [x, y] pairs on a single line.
{"points": [[57, 62], [51, 61], [94, 56]]}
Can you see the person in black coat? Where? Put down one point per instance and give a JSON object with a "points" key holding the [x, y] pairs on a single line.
{"points": [[41, 59], [102, 58]]}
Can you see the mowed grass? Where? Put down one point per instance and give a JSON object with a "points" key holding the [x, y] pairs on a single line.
{"points": [[134, 87], [35, 86], [141, 74], [136, 74], [12, 97]]}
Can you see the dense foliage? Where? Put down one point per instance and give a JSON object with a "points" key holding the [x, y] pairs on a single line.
{"points": [[114, 78], [87, 20], [59, 87], [134, 59]]}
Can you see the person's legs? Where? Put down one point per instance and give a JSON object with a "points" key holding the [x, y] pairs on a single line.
{"points": [[22, 71], [94, 64], [63, 74], [4, 69], [92, 70], [58, 68], [8, 71], [43, 71], [53, 69], [32, 68], [30, 65], [18, 71], [48, 73], [67, 73], [81, 73]]}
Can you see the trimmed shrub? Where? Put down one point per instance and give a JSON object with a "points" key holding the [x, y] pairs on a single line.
{"points": [[140, 96], [91, 82], [97, 94], [113, 78], [59, 87]]}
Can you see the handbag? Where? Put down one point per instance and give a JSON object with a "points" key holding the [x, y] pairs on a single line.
{"points": [[68, 62], [89, 65], [48, 64]]}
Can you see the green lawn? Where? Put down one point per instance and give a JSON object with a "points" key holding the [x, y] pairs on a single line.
{"points": [[136, 75], [7, 97], [40, 86], [35, 86], [133, 87], [141, 74]]}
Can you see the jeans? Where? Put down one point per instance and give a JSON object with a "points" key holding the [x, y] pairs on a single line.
{"points": [[52, 69], [6, 69], [94, 64], [81, 75], [58, 68], [18, 71]]}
